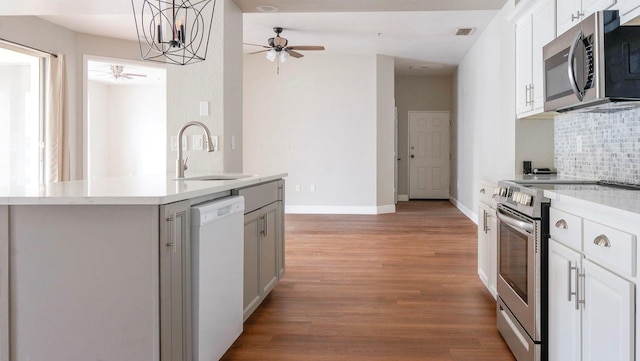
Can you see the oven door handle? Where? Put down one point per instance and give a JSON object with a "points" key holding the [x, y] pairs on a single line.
{"points": [[513, 222]]}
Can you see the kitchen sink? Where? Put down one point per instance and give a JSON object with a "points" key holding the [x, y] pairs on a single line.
{"points": [[212, 177]]}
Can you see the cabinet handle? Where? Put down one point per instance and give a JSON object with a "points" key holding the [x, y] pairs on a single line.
{"points": [[482, 191], [570, 292], [266, 224], [579, 14], [602, 241], [170, 222], [580, 286], [526, 95], [531, 94], [562, 224]]}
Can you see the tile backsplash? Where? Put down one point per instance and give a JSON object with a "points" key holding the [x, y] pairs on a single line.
{"points": [[599, 145]]}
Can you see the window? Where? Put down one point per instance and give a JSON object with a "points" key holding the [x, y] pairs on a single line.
{"points": [[21, 117]]}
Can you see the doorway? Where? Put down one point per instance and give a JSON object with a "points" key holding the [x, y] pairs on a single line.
{"points": [[429, 155], [125, 118]]}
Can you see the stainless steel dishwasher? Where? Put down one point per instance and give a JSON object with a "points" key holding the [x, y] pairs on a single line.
{"points": [[217, 246]]}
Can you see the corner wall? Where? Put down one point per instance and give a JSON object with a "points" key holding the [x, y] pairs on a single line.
{"points": [[483, 113]]}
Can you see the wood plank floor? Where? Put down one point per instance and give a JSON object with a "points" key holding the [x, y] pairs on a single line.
{"points": [[401, 286]]}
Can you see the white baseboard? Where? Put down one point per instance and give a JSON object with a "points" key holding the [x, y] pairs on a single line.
{"points": [[340, 209], [403, 197], [467, 212]]}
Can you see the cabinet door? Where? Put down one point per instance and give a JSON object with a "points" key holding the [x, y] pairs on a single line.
{"points": [[251, 280], [567, 15], [487, 248], [591, 6], [280, 239], [175, 282], [564, 316], [626, 6], [608, 316], [523, 65], [269, 248], [544, 30]]}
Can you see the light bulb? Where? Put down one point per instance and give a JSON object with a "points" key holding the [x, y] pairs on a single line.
{"points": [[284, 56], [271, 55]]}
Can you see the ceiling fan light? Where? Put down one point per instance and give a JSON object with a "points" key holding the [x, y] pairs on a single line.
{"points": [[284, 56], [271, 55]]}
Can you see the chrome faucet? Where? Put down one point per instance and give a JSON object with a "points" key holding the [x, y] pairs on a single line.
{"points": [[181, 165]]}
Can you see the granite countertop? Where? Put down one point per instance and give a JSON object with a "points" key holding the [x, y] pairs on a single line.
{"points": [[591, 196], [142, 190]]}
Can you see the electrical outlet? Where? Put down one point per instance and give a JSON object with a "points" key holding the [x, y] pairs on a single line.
{"points": [[312, 188], [198, 141], [297, 187], [174, 143]]}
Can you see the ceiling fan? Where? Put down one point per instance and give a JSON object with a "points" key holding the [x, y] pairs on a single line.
{"points": [[279, 46], [117, 72]]}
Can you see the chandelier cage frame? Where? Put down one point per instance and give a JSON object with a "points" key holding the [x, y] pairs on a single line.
{"points": [[165, 34]]}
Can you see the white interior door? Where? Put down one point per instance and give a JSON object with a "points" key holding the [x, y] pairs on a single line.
{"points": [[429, 159]]}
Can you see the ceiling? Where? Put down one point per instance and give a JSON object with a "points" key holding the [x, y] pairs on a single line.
{"points": [[418, 33]]}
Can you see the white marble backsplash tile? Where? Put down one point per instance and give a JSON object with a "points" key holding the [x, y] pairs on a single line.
{"points": [[599, 145]]}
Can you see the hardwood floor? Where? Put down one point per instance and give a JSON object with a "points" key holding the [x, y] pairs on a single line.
{"points": [[401, 286]]}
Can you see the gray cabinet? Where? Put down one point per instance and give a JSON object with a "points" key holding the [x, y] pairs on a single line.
{"points": [[263, 242], [175, 282]]}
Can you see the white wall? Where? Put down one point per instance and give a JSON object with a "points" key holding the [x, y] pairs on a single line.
{"points": [[128, 130], [216, 80], [483, 115], [318, 121], [98, 129], [386, 157], [426, 93]]}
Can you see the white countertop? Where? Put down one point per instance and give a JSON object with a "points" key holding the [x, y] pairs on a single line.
{"points": [[143, 190], [591, 196]]}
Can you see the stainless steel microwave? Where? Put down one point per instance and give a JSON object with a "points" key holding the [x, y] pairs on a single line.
{"points": [[594, 66]]}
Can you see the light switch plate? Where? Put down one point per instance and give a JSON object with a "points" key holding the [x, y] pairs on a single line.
{"points": [[204, 109]]}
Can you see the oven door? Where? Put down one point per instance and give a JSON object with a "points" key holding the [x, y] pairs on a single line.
{"points": [[519, 268]]}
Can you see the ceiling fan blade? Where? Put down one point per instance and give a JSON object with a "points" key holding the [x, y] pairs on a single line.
{"points": [[295, 54], [139, 75], [259, 51], [262, 46], [126, 76], [307, 47]]}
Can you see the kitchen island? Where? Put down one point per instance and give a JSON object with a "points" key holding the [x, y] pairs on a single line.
{"points": [[84, 271]]}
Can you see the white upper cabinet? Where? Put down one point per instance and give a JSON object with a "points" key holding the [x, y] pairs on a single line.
{"points": [[534, 29], [629, 9], [570, 12]]}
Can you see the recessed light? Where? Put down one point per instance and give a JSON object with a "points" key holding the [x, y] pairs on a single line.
{"points": [[267, 9]]}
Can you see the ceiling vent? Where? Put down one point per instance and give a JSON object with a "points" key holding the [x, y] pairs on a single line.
{"points": [[464, 31]]}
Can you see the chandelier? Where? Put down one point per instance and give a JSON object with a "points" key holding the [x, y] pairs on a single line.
{"points": [[173, 31]]}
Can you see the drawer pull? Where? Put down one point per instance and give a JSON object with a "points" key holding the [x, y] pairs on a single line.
{"points": [[562, 224], [602, 241]]}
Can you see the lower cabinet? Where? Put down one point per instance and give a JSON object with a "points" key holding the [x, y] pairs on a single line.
{"points": [[263, 242], [487, 238], [261, 269], [591, 309], [487, 247], [176, 341]]}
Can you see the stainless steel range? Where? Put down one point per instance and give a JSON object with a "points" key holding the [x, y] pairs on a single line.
{"points": [[523, 235], [523, 229]]}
